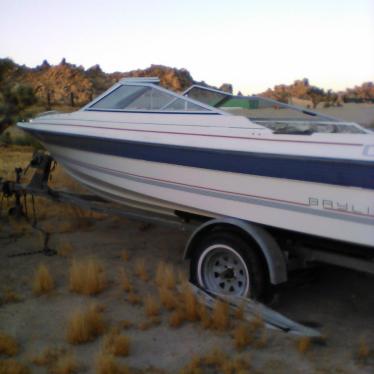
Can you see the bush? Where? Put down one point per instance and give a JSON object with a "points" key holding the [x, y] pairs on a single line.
{"points": [[5, 138]]}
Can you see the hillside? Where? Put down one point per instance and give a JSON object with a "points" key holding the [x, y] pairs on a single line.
{"points": [[67, 83], [25, 91], [302, 92]]}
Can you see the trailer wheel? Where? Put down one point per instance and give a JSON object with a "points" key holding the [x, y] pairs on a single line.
{"points": [[225, 263]]}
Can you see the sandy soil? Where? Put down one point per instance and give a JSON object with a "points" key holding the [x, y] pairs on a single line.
{"points": [[340, 302]]}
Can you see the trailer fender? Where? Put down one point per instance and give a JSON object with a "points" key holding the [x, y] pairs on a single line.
{"points": [[273, 255]]}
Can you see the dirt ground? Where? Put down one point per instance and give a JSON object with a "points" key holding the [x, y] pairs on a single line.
{"points": [[338, 301]]}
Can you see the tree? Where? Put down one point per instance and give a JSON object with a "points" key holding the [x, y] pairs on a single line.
{"points": [[317, 95], [14, 100]]}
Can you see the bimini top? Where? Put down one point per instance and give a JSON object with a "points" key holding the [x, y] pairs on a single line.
{"points": [[143, 94]]}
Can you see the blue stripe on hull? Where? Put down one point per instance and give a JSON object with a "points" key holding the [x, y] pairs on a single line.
{"points": [[311, 169]]}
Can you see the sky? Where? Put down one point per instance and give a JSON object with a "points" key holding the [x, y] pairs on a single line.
{"points": [[252, 44]]}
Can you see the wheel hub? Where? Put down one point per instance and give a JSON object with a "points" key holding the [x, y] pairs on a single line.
{"points": [[228, 274], [223, 271]]}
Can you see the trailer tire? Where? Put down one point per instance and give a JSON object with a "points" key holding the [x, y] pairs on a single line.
{"points": [[223, 262]]}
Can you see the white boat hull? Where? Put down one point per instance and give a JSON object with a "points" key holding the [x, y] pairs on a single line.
{"points": [[331, 211]]}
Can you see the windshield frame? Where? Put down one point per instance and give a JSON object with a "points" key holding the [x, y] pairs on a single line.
{"points": [[316, 117], [209, 109]]}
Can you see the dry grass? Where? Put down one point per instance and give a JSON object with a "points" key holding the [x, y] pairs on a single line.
{"points": [[141, 270], [152, 322], [204, 317], [169, 277], [193, 367], [220, 316], [47, 357], [363, 351], [125, 324], [13, 367], [85, 326], [182, 277], [242, 336], [20, 226], [165, 276], [10, 296], [236, 365], [48, 227], [151, 306], [177, 318], [168, 298], [8, 345], [106, 364], [190, 303], [43, 282], [303, 344], [87, 276], [116, 344], [67, 364], [239, 312], [217, 362], [124, 280], [57, 360], [215, 358], [160, 270], [257, 323], [262, 340], [64, 249], [133, 298], [125, 255]]}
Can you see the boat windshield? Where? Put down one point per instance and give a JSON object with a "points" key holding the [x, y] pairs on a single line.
{"points": [[140, 97], [281, 118]]}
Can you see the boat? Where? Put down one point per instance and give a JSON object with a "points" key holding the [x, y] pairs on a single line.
{"points": [[208, 153]]}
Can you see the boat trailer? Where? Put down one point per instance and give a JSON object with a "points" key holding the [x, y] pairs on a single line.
{"points": [[43, 165]]}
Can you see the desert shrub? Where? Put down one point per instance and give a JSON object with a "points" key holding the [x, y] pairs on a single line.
{"points": [[43, 282], [124, 280], [204, 316], [13, 367], [177, 318], [85, 326], [8, 345], [106, 364], [151, 306], [87, 276], [363, 351], [117, 344], [165, 275], [133, 298], [6, 138], [125, 255], [124, 324], [220, 316], [168, 298], [303, 344], [64, 249], [10, 296], [217, 362], [242, 336], [141, 270], [65, 364], [151, 322], [190, 303], [47, 357]]}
